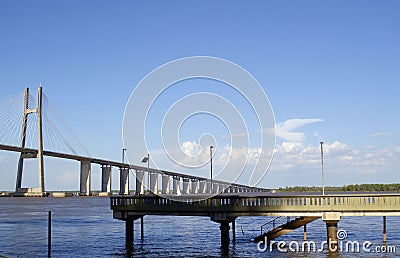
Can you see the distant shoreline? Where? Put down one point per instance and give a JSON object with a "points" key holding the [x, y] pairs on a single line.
{"points": [[345, 188]]}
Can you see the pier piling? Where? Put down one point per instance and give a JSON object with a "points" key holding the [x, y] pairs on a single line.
{"points": [[141, 228], [224, 227], [129, 233], [384, 229]]}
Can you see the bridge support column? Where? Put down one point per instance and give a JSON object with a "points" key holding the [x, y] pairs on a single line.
{"points": [[202, 187], [154, 183], [209, 190], [141, 228], [384, 229], [106, 178], [129, 224], [185, 189], [331, 219], [195, 186], [124, 181], [176, 185], [139, 182], [224, 219], [165, 180], [224, 227], [85, 178], [215, 188], [129, 230]]}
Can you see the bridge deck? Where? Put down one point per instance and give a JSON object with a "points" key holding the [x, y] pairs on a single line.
{"points": [[34, 152], [259, 204]]}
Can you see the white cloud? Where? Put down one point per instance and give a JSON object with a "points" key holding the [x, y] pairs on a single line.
{"points": [[339, 158], [284, 130], [191, 148], [68, 177], [379, 134]]}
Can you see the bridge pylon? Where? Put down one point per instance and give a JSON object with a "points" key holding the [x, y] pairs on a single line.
{"points": [[25, 155]]}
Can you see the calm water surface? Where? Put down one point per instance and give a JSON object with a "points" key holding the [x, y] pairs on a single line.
{"points": [[84, 227]]}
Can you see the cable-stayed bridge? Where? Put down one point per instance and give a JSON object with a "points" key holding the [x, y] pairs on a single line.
{"points": [[31, 126]]}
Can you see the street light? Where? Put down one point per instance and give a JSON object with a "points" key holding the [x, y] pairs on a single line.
{"points": [[211, 167], [123, 155], [144, 160], [322, 167]]}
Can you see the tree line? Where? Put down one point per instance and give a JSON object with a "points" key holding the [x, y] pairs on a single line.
{"points": [[345, 188]]}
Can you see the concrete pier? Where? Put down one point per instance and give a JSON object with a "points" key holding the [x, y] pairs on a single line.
{"points": [[225, 208], [185, 188], [331, 219], [165, 181], [195, 186], [139, 182], [176, 185], [223, 219], [154, 183], [209, 187], [224, 227], [129, 224], [85, 178], [141, 228], [215, 188], [106, 178], [202, 187], [129, 230], [124, 181], [384, 229]]}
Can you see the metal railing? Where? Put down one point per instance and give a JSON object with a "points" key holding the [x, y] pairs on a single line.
{"points": [[259, 204], [270, 225]]}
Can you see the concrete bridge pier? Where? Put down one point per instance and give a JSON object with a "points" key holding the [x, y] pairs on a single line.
{"points": [[209, 186], [185, 186], [384, 229], [195, 186], [331, 219], [129, 230], [106, 178], [139, 182], [176, 185], [124, 181], [154, 183], [85, 178], [224, 219], [202, 187], [165, 180], [215, 188]]}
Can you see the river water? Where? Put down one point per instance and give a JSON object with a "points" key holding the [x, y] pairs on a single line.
{"points": [[84, 227]]}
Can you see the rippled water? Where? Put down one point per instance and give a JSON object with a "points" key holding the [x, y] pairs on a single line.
{"points": [[84, 227]]}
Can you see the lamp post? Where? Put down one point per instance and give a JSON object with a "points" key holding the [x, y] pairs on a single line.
{"points": [[211, 168], [144, 160], [322, 168], [123, 155]]}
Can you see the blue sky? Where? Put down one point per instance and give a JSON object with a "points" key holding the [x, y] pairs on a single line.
{"points": [[330, 70]]}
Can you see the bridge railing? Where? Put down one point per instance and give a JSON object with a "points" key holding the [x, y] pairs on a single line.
{"points": [[258, 204]]}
